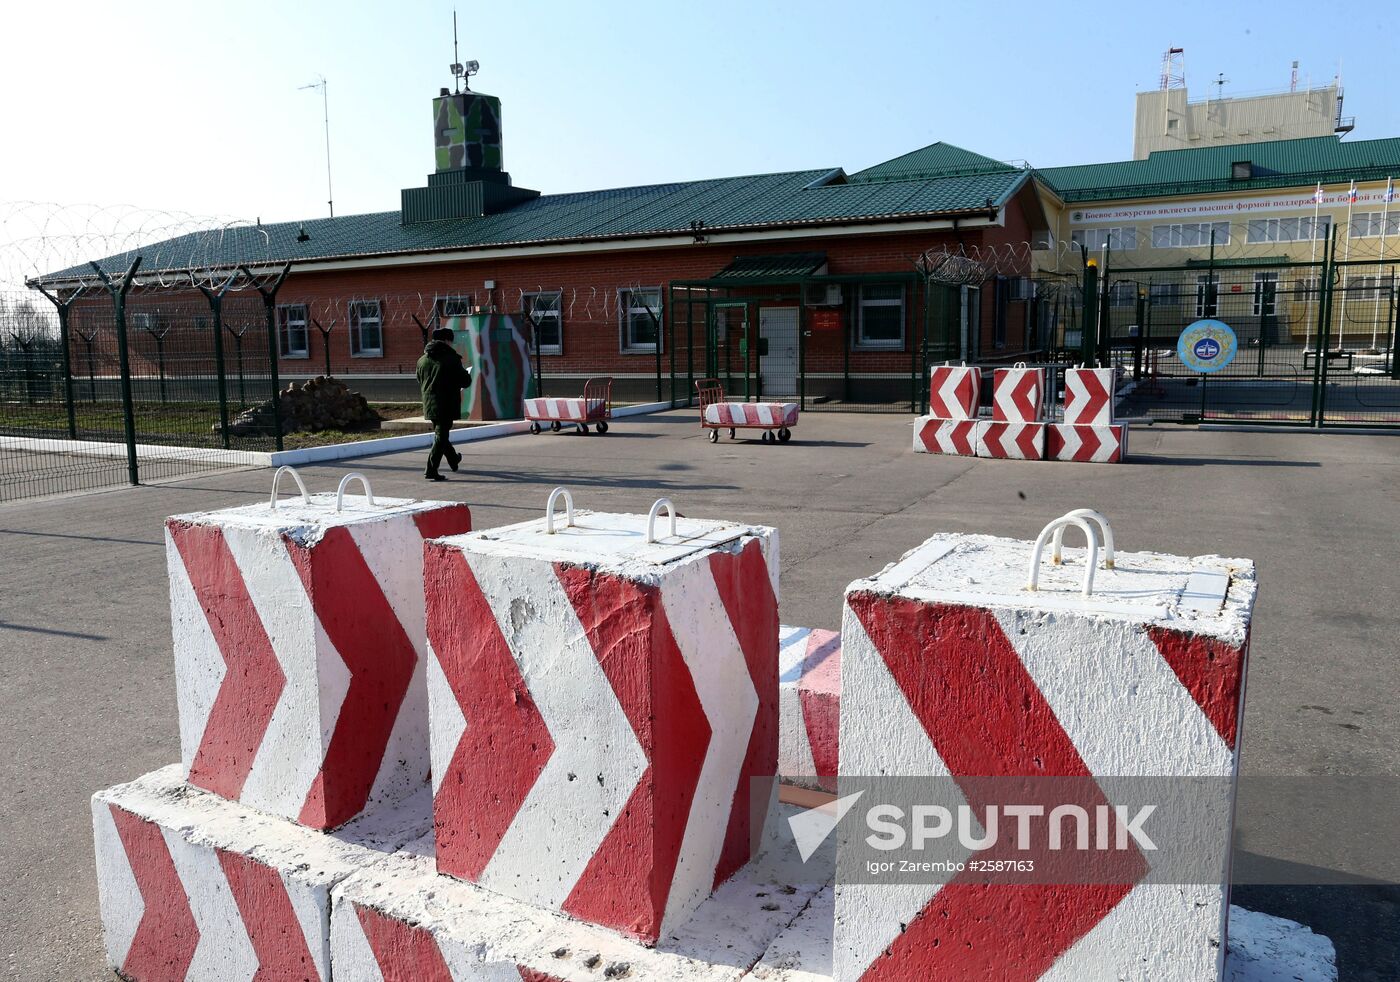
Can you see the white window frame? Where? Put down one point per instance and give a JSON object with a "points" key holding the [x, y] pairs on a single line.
{"points": [[859, 342], [1367, 224], [440, 305], [1175, 235], [1260, 278], [357, 317], [285, 319], [556, 313], [1122, 293], [1118, 238], [1164, 294], [625, 310]]}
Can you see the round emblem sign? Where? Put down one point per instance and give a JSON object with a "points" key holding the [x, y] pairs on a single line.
{"points": [[1207, 345]]}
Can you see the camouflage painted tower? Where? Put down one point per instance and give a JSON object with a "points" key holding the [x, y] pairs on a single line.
{"points": [[468, 181]]}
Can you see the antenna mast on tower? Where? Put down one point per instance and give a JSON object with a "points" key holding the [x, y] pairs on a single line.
{"points": [[1174, 68]]}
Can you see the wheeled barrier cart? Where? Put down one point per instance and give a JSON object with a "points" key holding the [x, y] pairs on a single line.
{"points": [[594, 408], [775, 419]]}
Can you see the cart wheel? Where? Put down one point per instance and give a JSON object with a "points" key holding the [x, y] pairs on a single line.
{"points": [[556, 426], [602, 426], [731, 433], [583, 427], [714, 436], [784, 434], [767, 436], [534, 426]]}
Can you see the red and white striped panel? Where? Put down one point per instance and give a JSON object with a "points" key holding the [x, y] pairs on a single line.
{"points": [[945, 436], [1089, 396], [401, 920], [1018, 395], [299, 643], [751, 414], [616, 708], [565, 409], [1011, 441], [951, 668], [809, 706], [194, 887], [1087, 444], [954, 392]]}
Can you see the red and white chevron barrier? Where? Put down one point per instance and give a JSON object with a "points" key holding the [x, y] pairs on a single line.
{"points": [[1010, 441], [565, 409], [809, 706], [1089, 396], [1018, 394], [299, 642], [954, 391], [1087, 444], [596, 745], [195, 887], [751, 414], [956, 663], [946, 436], [402, 920]]}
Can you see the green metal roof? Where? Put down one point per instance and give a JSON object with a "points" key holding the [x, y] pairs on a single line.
{"points": [[1280, 163], [934, 160], [796, 198], [779, 266]]}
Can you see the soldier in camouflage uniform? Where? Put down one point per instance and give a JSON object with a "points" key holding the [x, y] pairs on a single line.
{"points": [[441, 379]]}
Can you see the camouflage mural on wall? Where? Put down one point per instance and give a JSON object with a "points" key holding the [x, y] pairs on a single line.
{"points": [[468, 131], [498, 352]]}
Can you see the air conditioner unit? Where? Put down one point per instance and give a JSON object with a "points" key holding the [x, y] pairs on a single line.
{"points": [[823, 295]]}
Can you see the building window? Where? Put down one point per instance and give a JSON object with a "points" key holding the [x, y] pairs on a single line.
{"points": [[640, 315], [1207, 289], [1371, 223], [460, 305], [1288, 229], [1189, 234], [880, 316], [1241, 170], [1116, 239], [1163, 295], [1305, 290], [544, 310], [1364, 288], [1122, 293], [1265, 294], [366, 329], [291, 330]]}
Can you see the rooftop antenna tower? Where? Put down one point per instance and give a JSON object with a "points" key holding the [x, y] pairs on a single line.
{"points": [[461, 72], [1293, 82], [1174, 68], [1219, 84], [320, 83]]}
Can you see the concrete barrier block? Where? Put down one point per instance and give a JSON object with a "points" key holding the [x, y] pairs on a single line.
{"points": [[952, 667], [954, 391], [299, 643], [403, 920], [809, 706], [1010, 441], [934, 434], [1089, 396], [1107, 444], [192, 886], [1018, 395], [607, 745]]}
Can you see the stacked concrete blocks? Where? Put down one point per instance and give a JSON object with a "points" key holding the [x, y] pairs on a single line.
{"points": [[955, 394], [1016, 430], [299, 650], [1088, 432], [959, 663], [604, 744]]}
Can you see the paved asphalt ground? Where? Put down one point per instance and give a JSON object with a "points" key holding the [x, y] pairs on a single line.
{"points": [[87, 697]]}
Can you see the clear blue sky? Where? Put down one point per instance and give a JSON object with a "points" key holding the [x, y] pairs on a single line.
{"points": [[195, 107]]}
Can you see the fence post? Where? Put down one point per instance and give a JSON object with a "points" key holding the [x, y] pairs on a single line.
{"points": [[118, 292], [216, 308], [1089, 316], [1324, 316], [1138, 341], [63, 306], [269, 299]]}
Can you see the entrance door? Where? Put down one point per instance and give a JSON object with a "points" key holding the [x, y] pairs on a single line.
{"points": [[777, 351]]}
